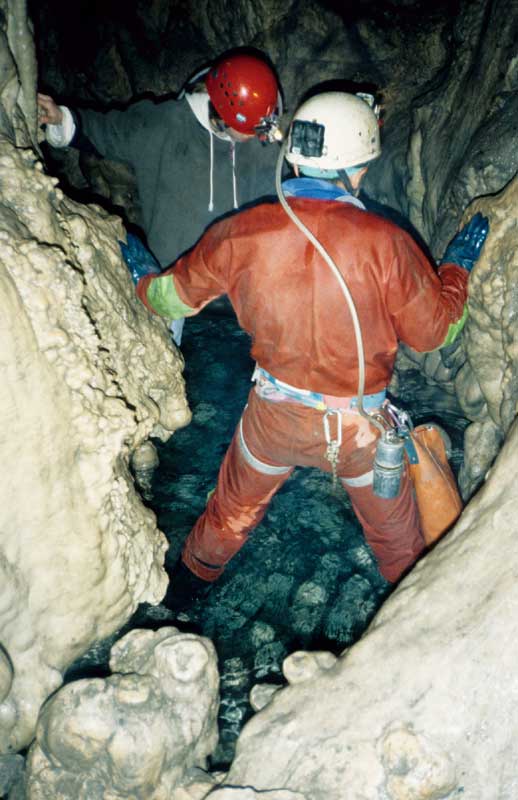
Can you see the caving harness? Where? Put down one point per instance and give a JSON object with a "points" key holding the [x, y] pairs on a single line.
{"points": [[274, 390]]}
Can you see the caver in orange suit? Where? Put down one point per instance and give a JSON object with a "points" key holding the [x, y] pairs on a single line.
{"points": [[289, 302]]}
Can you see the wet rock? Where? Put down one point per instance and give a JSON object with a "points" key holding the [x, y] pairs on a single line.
{"points": [[278, 591], [351, 612], [261, 633], [308, 608], [268, 659], [11, 776], [233, 673]]}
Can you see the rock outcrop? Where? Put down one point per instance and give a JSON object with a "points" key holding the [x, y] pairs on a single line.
{"points": [[143, 733], [88, 376]]}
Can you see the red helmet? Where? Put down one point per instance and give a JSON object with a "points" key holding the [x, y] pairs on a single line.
{"points": [[243, 89]]}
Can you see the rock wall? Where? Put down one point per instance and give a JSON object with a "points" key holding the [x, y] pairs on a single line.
{"points": [[463, 139], [482, 368], [462, 142], [87, 377], [487, 384]]}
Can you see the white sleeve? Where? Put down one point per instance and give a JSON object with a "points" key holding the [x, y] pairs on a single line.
{"points": [[61, 135]]}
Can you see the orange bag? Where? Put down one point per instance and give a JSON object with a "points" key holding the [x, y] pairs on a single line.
{"points": [[438, 499]]}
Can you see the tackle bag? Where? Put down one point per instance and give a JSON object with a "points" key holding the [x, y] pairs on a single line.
{"points": [[438, 499]]}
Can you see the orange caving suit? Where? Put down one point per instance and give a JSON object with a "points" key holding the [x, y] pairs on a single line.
{"points": [[289, 301]]}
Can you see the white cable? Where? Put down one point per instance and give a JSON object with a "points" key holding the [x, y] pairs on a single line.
{"points": [[234, 185], [211, 173], [343, 286]]}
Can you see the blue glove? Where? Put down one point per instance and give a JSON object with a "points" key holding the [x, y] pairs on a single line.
{"points": [[464, 249], [138, 259]]}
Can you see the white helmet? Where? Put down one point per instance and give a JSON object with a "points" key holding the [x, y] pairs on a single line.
{"points": [[333, 131]]}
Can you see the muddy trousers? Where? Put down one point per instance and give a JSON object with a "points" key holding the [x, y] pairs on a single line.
{"points": [[270, 440]]}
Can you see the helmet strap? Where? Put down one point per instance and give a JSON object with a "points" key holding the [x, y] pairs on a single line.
{"points": [[344, 177]]}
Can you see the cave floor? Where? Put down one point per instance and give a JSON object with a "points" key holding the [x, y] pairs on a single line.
{"points": [[305, 579]]}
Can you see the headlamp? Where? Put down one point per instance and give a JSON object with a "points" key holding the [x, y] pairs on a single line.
{"points": [[269, 130]]}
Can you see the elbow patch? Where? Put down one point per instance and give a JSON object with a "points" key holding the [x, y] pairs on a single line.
{"points": [[455, 328], [164, 299]]}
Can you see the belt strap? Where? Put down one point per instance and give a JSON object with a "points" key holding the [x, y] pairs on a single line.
{"points": [[271, 388]]}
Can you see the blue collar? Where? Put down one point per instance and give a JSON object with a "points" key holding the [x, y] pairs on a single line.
{"points": [[318, 189]]}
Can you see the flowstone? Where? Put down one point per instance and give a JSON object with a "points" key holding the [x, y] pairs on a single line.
{"points": [[88, 377], [141, 733], [487, 385]]}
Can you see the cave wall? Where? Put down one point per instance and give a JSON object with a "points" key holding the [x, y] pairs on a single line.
{"points": [[487, 383], [88, 376], [462, 145], [463, 138], [90, 385]]}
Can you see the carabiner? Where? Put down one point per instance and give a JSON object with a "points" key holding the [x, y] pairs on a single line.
{"points": [[336, 412]]}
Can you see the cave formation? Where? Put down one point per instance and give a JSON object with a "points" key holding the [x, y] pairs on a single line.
{"points": [[422, 706]]}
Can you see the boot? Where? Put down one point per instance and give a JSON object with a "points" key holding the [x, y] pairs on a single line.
{"points": [[184, 588]]}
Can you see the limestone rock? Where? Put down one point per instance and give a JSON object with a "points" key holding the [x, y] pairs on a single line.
{"points": [[482, 442], [448, 162], [88, 376], [300, 667], [140, 733], [79, 550], [261, 694], [6, 675], [144, 461], [487, 386], [415, 768], [241, 793]]}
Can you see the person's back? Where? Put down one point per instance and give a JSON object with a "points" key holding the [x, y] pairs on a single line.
{"points": [[186, 178], [289, 301], [196, 158]]}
